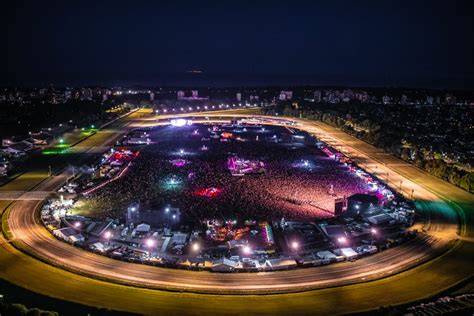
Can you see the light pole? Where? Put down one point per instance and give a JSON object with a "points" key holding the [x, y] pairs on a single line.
{"points": [[49, 171], [373, 232], [295, 246]]}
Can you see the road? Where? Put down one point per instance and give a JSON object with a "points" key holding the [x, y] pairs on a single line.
{"points": [[440, 221]]}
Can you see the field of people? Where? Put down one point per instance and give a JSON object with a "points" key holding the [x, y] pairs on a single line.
{"points": [[187, 167]]}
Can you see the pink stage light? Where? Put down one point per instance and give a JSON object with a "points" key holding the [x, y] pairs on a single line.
{"points": [[178, 162], [209, 192]]}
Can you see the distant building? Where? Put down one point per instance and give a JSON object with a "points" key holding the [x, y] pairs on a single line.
{"points": [[239, 97], [286, 95], [67, 95], [450, 99], [152, 97], [429, 100], [403, 100], [317, 96], [86, 94], [194, 96]]}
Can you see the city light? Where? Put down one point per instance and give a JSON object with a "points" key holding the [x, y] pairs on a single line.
{"points": [[342, 240], [77, 224], [150, 243], [247, 250], [196, 247], [295, 245], [178, 122], [178, 162], [107, 235], [373, 231]]}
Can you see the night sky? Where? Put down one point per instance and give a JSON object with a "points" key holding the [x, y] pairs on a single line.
{"points": [[357, 43]]}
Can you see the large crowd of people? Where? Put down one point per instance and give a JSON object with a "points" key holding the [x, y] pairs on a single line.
{"points": [[286, 189]]}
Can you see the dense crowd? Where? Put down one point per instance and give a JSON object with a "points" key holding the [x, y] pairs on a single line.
{"points": [[286, 189]]}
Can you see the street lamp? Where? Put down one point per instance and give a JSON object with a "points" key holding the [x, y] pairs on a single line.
{"points": [[295, 245], [247, 250], [342, 240], [107, 235], [150, 243]]}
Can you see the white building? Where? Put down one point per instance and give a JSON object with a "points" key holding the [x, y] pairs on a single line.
{"points": [[286, 95], [68, 234], [224, 265], [347, 253], [143, 228], [317, 96], [281, 264]]}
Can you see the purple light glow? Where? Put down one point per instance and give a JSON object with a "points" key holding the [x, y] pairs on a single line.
{"points": [[178, 162]]}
